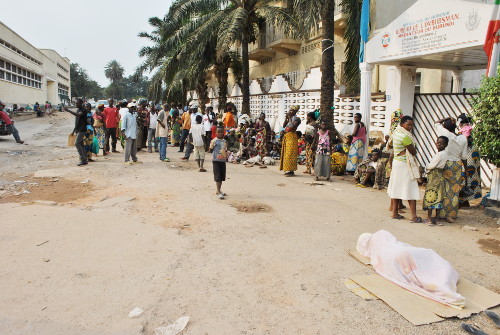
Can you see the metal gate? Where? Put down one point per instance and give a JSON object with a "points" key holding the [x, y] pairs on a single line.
{"points": [[429, 107]]}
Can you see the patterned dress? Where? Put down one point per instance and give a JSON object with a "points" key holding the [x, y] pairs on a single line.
{"points": [[452, 186], [357, 150], [289, 148]]}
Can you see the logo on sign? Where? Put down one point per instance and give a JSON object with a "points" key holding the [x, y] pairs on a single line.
{"points": [[473, 21], [386, 39]]}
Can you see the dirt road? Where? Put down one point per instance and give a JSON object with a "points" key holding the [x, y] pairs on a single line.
{"points": [[80, 247]]}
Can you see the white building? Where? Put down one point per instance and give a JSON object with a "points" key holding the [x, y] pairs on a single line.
{"points": [[28, 74]]}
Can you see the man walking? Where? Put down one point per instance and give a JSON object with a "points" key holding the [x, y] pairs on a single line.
{"points": [[129, 132], [9, 124], [111, 119], [186, 126], [80, 130], [193, 111]]}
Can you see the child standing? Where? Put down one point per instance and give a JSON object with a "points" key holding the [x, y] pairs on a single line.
{"points": [[219, 148], [198, 133], [433, 197], [322, 141]]}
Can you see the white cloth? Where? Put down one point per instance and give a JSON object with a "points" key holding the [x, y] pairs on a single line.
{"points": [[123, 111], [197, 132], [193, 119], [418, 270], [153, 120], [438, 161], [401, 186], [457, 144], [207, 126]]}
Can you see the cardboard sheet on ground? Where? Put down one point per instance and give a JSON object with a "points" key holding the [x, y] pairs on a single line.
{"points": [[419, 310]]}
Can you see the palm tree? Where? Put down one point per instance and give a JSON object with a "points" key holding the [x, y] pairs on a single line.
{"points": [[352, 8], [114, 72], [310, 14], [230, 22]]}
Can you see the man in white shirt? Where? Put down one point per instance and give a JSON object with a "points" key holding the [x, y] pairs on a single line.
{"points": [[198, 136], [208, 117], [129, 132]]}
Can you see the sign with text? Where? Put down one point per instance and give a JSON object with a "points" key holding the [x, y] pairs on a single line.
{"points": [[431, 26]]}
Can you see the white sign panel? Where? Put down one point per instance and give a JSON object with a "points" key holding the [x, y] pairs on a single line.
{"points": [[431, 26]]}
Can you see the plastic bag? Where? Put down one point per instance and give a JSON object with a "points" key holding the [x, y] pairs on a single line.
{"points": [[71, 140], [95, 146]]}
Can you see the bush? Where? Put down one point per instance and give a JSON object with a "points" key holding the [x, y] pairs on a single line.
{"points": [[486, 116]]}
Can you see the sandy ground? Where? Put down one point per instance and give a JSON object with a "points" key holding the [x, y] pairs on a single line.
{"points": [[76, 257]]}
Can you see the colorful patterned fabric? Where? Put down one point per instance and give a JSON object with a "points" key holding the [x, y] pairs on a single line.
{"points": [[289, 152], [433, 197], [339, 162], [101, 136], [88, 141], [452, 185], [356, 153], [309, 157], [395, 120], [261, 143], [473, 171]]}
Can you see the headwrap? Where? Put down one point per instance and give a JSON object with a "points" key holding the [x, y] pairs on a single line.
{"points": [[100, 106], [295, 107], [395, 120]]}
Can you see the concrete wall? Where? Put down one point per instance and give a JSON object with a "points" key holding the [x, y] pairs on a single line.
{"points": [[384, 12]]}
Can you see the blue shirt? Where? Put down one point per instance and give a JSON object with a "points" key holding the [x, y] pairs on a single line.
{"points": [[129, 124]]}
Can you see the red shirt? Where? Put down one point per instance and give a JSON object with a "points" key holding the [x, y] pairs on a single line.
{"points": [[111, 117], [214, 132], [5, 118]]}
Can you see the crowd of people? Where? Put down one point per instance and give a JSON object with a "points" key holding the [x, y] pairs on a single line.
{"points": [[452, 177]]}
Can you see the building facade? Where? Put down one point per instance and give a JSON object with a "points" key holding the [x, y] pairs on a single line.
{"points": [[29, 75]]}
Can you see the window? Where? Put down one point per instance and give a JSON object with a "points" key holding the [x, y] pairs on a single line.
{"points": [[19, 75]]}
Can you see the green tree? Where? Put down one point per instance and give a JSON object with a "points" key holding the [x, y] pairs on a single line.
{"points": [[486, 116], [114, 72], [310, 14], [197, 24], [82, 85]]}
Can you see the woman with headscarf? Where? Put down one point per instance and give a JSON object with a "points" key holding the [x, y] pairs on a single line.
{"points": [[100, 127], [357, 150], [263, 130], [289, 146], [457, 158], [310, 133], [403, 184], [471, 176]]}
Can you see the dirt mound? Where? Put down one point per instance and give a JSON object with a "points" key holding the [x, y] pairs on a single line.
{"points": [[251, 207]]}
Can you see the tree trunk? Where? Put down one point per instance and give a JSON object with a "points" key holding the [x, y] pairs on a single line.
{"points": [[201, 90], [221, 73], [327, 64], [245, 106]]}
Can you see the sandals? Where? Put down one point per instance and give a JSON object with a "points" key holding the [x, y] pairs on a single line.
{"points": [[472, 330], [399, 217], [494, 317], [429, 223], [417, 220], [361, 185]]}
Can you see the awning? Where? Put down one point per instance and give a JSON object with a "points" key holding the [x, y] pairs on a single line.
{"points": [[434, 34]]}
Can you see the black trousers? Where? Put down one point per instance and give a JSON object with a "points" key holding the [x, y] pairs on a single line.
{"points": [[110, 132]]}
